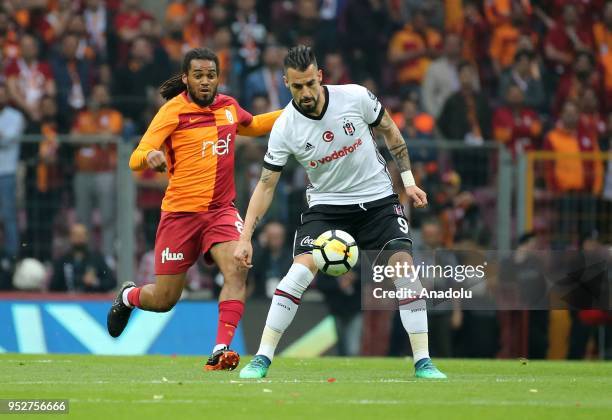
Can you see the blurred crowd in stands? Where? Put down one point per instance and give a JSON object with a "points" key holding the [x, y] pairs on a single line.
{"points": [[528, 74]]}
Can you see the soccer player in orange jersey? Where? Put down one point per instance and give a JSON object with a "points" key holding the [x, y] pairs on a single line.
{"points": [[197, 127]]}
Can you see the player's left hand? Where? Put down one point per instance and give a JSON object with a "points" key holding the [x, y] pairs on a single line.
{"points": [[417, 195]]}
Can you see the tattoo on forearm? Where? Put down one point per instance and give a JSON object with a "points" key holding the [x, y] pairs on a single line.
{"points": [[400, 155], [265, 176], [395, 142]]}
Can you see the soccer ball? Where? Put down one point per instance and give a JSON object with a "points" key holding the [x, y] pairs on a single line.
{"points": [[335, 252]]}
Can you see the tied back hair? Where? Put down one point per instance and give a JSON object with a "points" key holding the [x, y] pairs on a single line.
{"points": [[174, 86]]}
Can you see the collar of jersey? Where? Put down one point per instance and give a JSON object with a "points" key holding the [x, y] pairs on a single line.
{"points": [[322, 111]]}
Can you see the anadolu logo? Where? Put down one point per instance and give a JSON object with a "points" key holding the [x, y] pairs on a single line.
{"points": [[328, 136]]}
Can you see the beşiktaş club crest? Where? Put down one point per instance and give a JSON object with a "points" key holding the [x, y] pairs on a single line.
{"points": [[349, 128]]}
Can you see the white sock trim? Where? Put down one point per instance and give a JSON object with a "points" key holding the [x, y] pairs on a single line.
{"points": [[124, 297]]}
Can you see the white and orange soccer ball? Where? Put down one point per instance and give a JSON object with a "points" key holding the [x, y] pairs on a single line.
{"points": [[335, 252]]}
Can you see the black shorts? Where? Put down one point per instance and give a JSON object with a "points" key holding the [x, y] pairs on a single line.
{"points": [[373, 224]]}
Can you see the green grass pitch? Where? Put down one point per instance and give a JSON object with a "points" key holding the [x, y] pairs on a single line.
{"points": [[176, 388]]}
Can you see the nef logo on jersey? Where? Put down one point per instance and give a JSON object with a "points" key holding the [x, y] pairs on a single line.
{"points": [[171, 256], [328, 136], [337, 154], [219, 148], [349, 128]]}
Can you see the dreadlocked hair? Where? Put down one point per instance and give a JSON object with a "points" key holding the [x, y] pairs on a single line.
{"points": [[299, 58], [174, 86]]}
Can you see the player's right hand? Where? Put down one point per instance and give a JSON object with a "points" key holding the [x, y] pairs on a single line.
{"points": [[243, 254], [157, 160]]}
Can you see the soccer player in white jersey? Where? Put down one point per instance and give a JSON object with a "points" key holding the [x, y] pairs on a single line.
{"points": [[328, 129]]}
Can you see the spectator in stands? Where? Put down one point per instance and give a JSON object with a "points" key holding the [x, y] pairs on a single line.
{"points": [[566, 39], [268, 80], [9, 43], [466, 114], [516, 125], [343, 298], [523, 293], [97, 22], [261, 104], [56, 21], [505, 40], [127, 24], [222, 45], [442, 77], [466, 117], [335, 71], [48, 169], [193, 18], [135, 83], [73, 76], [94, 181], [81, 270], [412, 48], [586, 287], [366, 43], [271, 261], [591, 122], [602, 34], [525, 73], [306, 27], [474, 30], [249, 33], [12, 126], [29, 78], [573, 83], [85, 48], [575, 181]]}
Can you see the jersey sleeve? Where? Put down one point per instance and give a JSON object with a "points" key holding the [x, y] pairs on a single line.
{"points": [[278, 151], [370, 107], [162, 126]]}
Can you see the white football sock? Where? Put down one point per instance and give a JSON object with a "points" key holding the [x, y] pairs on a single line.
{"points": [[284, 306], [414, 318]]}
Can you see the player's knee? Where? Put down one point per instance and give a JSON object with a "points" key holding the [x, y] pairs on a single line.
{"points": [[394, 250], [236, 283]]}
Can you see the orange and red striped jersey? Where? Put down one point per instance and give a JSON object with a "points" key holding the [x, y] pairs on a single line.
{"points": [[199, 147]]}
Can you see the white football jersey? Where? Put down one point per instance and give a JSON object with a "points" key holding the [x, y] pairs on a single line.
{"points": [[337, 148]]}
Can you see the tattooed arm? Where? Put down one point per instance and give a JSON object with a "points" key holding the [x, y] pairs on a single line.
{"points": [[397, 146], [259, 204]]}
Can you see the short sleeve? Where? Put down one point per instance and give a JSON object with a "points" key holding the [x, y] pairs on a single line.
{"points": [[370, 107], [278, 151]]}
